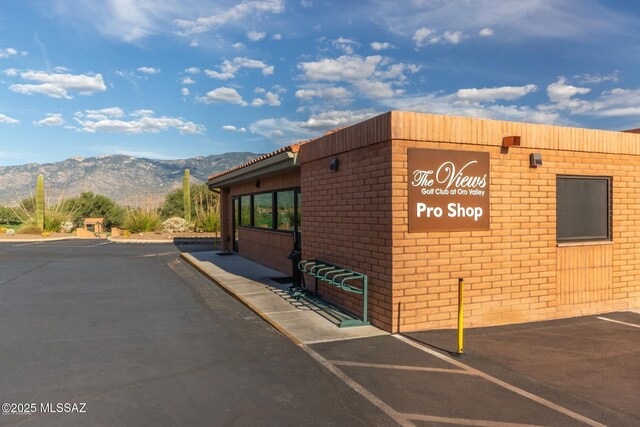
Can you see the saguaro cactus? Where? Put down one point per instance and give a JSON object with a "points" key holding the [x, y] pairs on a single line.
{"points": [[40, 201], [186, 190]]}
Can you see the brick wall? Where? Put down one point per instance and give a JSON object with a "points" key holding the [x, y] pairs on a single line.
{"points": [[516, 272], [346, 215]]}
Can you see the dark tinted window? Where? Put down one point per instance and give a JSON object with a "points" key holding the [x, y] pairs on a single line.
{"points": [[583, 208]]}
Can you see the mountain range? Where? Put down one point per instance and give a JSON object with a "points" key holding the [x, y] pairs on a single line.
{"points": [[127, 180]]}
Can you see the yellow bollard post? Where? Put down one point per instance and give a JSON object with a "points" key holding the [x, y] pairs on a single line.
{"points": [[460, 316]]}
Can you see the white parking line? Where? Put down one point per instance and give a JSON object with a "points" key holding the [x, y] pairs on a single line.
{"points": [[465, 421], [401, 367], [617, 321], [501, 383], [395, 415]]}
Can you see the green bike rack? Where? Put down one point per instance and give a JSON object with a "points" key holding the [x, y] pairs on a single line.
{"points": [[341, 278]]}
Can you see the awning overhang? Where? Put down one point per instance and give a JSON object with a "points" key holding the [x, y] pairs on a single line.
{"points": [[277, 164]]}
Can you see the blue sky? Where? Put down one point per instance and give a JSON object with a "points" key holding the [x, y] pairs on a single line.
{"points": [[183, 78]]}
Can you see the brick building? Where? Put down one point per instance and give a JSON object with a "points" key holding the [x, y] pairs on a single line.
{"points": [[541, 221]]}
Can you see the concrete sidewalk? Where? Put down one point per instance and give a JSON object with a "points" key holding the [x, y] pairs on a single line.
{"points": [[253, 285]]}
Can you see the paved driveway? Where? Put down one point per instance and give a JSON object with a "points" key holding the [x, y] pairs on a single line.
{"points": [[142, 339]]}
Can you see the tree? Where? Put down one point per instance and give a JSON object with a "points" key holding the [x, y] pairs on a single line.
{"points": [[173, 204], [9, 216], [89, 205]]}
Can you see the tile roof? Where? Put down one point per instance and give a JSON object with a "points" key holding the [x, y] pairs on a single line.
{"points": [[289, 148], [632, 130]]}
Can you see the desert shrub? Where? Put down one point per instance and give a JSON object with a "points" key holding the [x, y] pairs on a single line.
{"points": [[10, 231], [175, 225], [46, 234], [3, 230], [55, 217], [142, 220], [207, 218], [30, 229], [66, 226]]}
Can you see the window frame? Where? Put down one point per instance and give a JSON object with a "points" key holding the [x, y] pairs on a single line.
{"points": [[608, 237], [274, 211]]}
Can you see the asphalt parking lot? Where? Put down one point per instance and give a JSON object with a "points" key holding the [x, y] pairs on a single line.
{"points": [[592, 363], [144, 339], [141, 338], [583, 371]]}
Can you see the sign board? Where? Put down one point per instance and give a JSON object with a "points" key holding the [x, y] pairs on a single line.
{"points": [[448, 190]]}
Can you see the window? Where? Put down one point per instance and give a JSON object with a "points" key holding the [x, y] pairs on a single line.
{"points": [[286, 210], [583, 208], [263, 210], [277, 211], [245, 211]]}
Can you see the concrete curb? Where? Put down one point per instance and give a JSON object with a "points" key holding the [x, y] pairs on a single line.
{"points": [[42, 239], [164, 241], [195, 264]]}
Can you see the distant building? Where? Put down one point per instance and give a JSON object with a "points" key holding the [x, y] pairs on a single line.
{"points": [[542, 222]]}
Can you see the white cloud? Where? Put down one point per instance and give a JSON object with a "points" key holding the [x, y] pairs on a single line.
{"points": [[5, 53], [11, 72], [421, 36], [306, 3], [277, 36], [453, 37], [371, 75], [9, 120], [315, 125], [381, 46], [123, 20], [114, 120], [141, 113], [192, 70], [451, 105], [597, 78], [188, 81], [520, 19], [617, 102], [229, 69], [260, 90], [58, 85], [149, 70], [492, 94], [560, 92], [194, 43], [338, 94], [185, 91], [345, 45], [256, 36], [224, 94], [270, 98], [236, 13], [347, 68], [238, 45], [485, 32], [425, 36], [231, 128], [104, 113], [52, 119]]}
